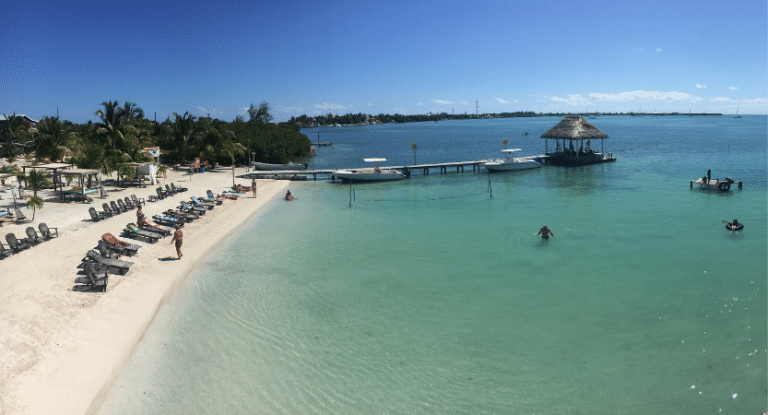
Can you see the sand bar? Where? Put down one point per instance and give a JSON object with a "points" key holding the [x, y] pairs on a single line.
{"points": [[60, 350]]}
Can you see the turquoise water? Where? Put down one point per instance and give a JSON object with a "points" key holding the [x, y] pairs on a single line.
{"points": [[434, 296]]}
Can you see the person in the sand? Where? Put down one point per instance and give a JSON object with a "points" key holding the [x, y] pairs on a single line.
{"points": [[178, 237], [144, 224], [139, 215], [253, 187], [545, 232], [289, 196]]}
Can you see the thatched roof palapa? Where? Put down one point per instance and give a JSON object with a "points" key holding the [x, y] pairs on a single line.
{"points": [[573, 127]]}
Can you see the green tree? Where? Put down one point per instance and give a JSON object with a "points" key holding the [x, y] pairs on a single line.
{"points": [[260, 115], [36, 181], [53, 139]]}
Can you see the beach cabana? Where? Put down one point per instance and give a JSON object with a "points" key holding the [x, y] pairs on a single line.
{"points": [[83, 193], [54, 168], [572, 129]]}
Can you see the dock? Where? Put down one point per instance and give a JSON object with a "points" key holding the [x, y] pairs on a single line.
{"points": [[300, 175]]}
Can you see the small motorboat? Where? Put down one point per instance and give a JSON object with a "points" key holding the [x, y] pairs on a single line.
{"points": [[508, 162], [289, 166], [722, 185], [375, 174]]}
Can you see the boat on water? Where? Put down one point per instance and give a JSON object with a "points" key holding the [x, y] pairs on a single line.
{"points": [[289, 166], [375, 174], [737, 114], [722, 185], [508, 163]]}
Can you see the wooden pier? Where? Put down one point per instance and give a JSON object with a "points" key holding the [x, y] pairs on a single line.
{"points": [[407, 170]]}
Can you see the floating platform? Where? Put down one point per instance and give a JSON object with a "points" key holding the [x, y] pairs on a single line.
{"points": [[578, 158]]}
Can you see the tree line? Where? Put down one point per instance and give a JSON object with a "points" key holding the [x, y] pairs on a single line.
{"points": [[122, 134]]}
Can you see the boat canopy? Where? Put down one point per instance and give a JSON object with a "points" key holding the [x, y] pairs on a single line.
{"points": [[374, 160], [511, 150]]}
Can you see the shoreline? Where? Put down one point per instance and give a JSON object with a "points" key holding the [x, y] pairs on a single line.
{"points": [[61, 350]]}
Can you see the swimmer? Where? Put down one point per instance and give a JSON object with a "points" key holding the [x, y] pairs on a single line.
{"points": [[545, 232], [734, 226], [289, 196]]}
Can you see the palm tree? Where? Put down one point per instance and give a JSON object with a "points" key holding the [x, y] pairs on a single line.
{"points": [[52, 139], [111, 118], [132, 111], [36, 181]]}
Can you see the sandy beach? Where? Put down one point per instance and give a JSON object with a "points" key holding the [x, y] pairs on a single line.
{"points": [[60, 350]]}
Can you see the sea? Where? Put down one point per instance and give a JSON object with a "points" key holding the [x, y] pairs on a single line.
{"points": [[434, 295]]}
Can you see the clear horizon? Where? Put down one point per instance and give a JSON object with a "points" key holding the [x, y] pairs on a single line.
{"points": [[365, 57]]}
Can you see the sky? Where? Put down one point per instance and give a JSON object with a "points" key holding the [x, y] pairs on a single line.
{"points": [[382, 57]]}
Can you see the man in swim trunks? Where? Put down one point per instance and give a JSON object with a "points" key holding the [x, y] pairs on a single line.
{"points": [[178, 236], [545, 232]]}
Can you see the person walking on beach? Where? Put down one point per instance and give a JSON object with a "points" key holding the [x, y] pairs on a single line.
{"points": [[178, 237], [545, 232], [253, 187], [139, 215]]}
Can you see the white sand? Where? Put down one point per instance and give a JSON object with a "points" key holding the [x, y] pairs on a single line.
{"points": [[60, 350]]}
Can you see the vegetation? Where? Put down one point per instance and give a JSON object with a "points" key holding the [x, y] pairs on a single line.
{"points": [[37, 181], [363, 119], [122, 135]]}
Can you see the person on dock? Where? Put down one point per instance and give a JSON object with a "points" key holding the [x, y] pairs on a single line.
{"points": [[178, 237], [545, 232], [253, 187], [289, 196]]}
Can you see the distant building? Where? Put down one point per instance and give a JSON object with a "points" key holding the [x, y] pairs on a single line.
{"points": [[28, 121]]}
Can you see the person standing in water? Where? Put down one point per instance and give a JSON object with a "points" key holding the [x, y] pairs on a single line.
{"points": [[545, 232]]}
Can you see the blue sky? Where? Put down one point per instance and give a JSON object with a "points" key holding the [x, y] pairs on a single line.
{"points": [[408, 57]]}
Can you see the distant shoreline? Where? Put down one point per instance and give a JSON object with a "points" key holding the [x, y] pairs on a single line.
{"points": [[351, 120]]}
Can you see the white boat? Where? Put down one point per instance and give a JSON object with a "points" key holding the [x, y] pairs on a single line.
{"points": [[510, 163], [375, 174], [288, 166], [722, 185]]}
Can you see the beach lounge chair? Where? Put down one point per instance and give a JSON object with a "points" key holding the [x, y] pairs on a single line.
{"points": [[116, 245], [178, 189], [187, 207], [108, 210], [115, 209], [20, 216], [4, 252], [129, 203], [16, 245], [114, 266], [200, 203], [133, 231], [167, 220], [96, 216], [138, 200], [122, 205], [94, 279], [161, 194], [169, 190], [182, 216], [221, 196], [33, 237], [105, 250], [211, 199], [45, 231]]}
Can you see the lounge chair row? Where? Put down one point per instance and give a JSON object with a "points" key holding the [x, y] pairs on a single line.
{"points": [[115, 208], [33, 238], [170, 190]]}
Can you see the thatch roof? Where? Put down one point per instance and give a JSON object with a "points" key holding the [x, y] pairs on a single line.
{"points": [[573, 127]]}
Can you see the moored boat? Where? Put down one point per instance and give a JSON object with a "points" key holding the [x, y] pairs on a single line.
{"points": [[375, 174], [508, 163]]}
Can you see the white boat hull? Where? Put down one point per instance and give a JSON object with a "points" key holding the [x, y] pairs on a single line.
{"points": [[511, 165], [289, 166], [368, 175]]}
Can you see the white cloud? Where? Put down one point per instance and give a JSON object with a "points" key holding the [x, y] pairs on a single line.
{"points": [[644, 95], [733, 88], [658, 49], [502, 101], [329, 106], [243, 110], [202, 109], [442, 102], [573, 99], [464, 102], [700, 86]]}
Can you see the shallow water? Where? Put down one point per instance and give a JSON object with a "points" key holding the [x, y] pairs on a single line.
{"points": [[433, 295]]}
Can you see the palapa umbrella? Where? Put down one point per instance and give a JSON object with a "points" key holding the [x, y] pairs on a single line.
{"points": [[574, 128]]}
